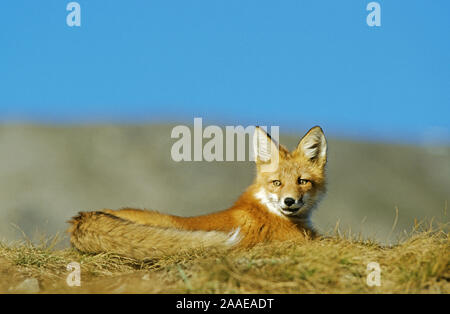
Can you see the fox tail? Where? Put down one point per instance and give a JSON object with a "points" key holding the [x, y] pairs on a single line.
{"points": [[97, 232]]}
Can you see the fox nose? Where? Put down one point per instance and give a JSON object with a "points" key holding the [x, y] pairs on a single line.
{"points": [[289, 201]]}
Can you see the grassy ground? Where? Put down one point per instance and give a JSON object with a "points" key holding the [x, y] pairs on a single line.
{"points": [[337, 264]]}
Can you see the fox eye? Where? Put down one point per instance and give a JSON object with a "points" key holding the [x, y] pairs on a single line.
{"points": [[302, 181], [276, 182]]}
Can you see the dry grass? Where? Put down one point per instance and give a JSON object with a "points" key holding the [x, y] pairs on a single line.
{"points": [[337, 264]]}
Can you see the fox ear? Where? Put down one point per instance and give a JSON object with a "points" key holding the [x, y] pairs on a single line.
{"points": [[313, 145], [264, 148]]}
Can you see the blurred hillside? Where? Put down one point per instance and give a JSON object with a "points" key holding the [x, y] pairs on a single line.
{"points": [[49, 173]]}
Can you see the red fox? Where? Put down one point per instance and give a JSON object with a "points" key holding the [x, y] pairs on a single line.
{"points": [[277, 206]]}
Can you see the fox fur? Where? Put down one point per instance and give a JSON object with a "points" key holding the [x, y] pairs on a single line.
{"points": [[276, 207]]}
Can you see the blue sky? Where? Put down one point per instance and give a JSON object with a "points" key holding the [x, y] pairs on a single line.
{"points": [[289, 63]]}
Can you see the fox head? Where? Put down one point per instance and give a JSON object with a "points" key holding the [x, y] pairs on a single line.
{"points": [[295, 181]]}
